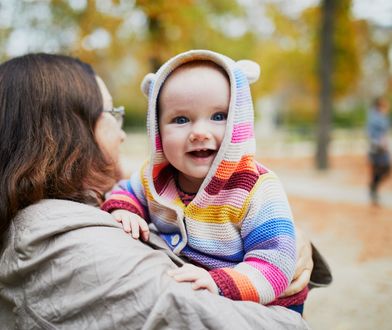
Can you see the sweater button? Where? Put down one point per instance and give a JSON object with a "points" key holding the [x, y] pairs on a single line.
{"points": [[175, 239]]}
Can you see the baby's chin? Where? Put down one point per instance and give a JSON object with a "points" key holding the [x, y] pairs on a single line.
{"points": [[191, 182], [125, 167]]}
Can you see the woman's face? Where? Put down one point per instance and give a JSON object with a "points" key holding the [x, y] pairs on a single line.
{"points": [[108, 132]]}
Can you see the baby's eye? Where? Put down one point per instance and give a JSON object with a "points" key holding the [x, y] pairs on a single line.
{"points": [[180, 120], [219, 116]]}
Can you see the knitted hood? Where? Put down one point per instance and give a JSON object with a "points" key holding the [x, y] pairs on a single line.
{"points": [[238, 141], [239, 224]]}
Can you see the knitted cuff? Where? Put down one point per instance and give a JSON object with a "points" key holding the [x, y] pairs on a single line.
{"points": [[295, 299], [225, 283], [111, 205]]}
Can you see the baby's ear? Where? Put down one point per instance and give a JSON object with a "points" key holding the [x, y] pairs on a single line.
{"points": [[148, 79], [251, 70]]}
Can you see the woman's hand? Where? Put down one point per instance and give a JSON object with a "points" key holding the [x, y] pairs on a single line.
{"points": [[200, 278], [132, 223], [303, 267]]}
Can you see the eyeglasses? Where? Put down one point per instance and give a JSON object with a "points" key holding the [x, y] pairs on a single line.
{"points": [[118, 113]]}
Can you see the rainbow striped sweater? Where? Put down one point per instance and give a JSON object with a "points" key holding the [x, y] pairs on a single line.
{"points": [[239, 224]]}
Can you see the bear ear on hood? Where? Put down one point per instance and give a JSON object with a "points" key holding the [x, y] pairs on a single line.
{"points": [[148, 79], [251, 70]]}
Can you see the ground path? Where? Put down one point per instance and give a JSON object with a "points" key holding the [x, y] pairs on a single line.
{"points": [[354, 236]]}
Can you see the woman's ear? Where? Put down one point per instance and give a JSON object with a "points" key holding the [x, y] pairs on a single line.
{"points": [[251, 70], [147, 82]]}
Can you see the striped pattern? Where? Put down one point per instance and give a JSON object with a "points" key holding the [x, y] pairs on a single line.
{"points": [[239, 225]]}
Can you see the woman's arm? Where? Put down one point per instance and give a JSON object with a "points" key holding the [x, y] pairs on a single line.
{"points": [[71, 266]]}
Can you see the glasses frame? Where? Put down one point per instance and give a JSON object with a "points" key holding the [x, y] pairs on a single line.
{"points": [[118, 113]]}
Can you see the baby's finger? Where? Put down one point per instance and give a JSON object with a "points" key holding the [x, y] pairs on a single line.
{"points": [[184, 275], [201, 283], [179, 272], [145, 231], [145, 235], [205, 283], [135, 228], [126, 224]]}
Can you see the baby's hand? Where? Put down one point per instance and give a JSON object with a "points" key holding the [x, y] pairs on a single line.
{"points": [[132, 223], [200, 278]]}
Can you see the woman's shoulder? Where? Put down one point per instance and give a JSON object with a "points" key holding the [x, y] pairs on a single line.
{"points": [[63, 229], [58, 212], [50, 218], [55, 205]]}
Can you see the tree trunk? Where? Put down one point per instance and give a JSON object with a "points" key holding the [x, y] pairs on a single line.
{"points": [[325, 75], [156, 37]]}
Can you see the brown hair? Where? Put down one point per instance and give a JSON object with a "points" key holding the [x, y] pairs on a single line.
{"points": [[49, 105]]}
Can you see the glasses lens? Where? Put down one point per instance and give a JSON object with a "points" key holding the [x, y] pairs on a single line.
{"points": [[120, 118], [118, 114]]}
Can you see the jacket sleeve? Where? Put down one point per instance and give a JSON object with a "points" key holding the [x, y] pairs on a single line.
{"points": [[268, 236], [128, 195]]}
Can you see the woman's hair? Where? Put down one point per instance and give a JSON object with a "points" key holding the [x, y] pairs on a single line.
{"points": [[49, 105]]}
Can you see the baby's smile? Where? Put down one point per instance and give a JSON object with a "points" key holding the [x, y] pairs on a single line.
{"points": [[202, 153]]}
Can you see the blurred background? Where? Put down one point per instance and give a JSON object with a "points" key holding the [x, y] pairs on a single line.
{"points": [[322, 64]]}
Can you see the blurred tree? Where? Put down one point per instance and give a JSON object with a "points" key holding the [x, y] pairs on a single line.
{"points": [[375, 45], [287, 57], [125, 39], [346, 69], [178, 25], [325, 67], [338, 67]]}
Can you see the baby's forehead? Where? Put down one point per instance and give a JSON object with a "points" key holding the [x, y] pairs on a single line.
{"points": [[195, 67], [192, 80], [198, 64]]}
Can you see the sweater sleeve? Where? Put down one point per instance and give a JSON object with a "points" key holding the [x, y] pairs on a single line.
{"points": [[268, 236], [128, 195]]}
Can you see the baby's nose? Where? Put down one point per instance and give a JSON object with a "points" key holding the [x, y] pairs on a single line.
{"points": [[200, 135]]}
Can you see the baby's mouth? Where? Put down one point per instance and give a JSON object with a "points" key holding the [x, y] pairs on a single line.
{"points": [[202, 153]]}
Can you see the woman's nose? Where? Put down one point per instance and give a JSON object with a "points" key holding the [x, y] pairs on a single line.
{"points": [[123, 135]]}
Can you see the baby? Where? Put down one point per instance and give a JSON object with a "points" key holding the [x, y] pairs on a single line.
{"points": [[208, 197]]}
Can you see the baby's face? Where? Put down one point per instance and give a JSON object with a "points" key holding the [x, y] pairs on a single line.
{"points": [[194, 104]]}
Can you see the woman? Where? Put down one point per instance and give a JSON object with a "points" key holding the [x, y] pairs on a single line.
{"points": [[65, 263], [378, 127]]}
